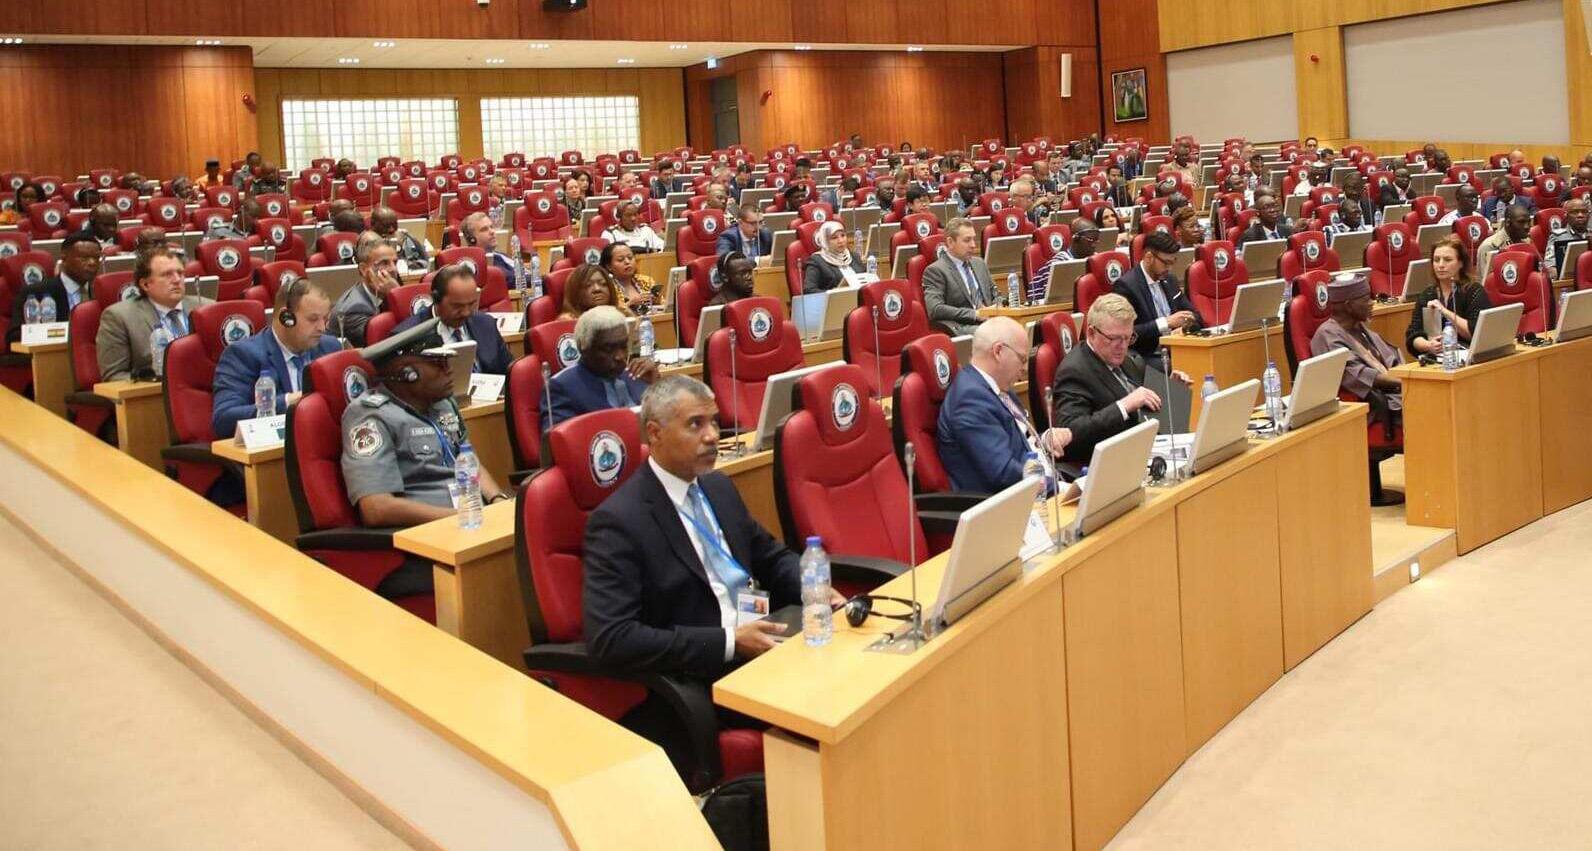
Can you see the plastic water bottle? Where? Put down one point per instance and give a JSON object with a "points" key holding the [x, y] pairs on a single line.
{"points": [[873, 265], [536, 276], [1271, 382], [467, 474], [856, 239], [1209, 388], [1448, 352], [1014, 293], [159, 339], [1033, 466], [30, 311], [648, 339], [818, 620], [265, 395], [46, 310], [519, 264]]}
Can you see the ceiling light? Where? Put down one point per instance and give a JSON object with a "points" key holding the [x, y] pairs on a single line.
{"points": [[627, 61], [386, 44], [10, 40], [913, 48], [540, 45], [348, 60], [804, 47], [494, 61], [678, 46], [208, 42], [713, 62]]}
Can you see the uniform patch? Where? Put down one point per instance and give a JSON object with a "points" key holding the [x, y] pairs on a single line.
{"points": [[365, 440], [607, 457], [236, 328], [843, 405]]}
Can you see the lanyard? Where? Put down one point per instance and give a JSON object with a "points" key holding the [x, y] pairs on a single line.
{"points": [[709, 538]]}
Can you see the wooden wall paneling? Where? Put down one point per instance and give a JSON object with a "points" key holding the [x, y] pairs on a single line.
{"points": [[702, 20], [125, 17], [194, 17], [1196, 23], [928, 21], [821, 21], [1578, 71], [268, 115], [1128, 28], [1157, 128], [1130, 38], [425, 19], [663, 109], [1323, 92], [293, 18], [1064, 22], [641, 20], [877, 21], [537, 24], [18, 17], [764, 20]]}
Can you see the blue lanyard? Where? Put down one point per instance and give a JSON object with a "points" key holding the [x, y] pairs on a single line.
{"points": [[442, 439], [709, 538]]}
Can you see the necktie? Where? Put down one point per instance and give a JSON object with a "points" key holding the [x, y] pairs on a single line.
{"points": [[1158, 295], [749, 246], [295, 369], [618, 394], [714, 552], [1022, 422], [175, 322], [973, 293], [458, 335], [1128, 386]]}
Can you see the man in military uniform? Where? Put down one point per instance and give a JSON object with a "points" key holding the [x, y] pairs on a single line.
{"points": [[377, 263], [400, 440]]}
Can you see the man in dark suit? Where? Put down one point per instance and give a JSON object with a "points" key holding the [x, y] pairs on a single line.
{"points": [[957, 285], [983, 433], [1269, 223], [295, 336], [1397, 192], [1159, 304], [1099, 390], [749, 237], [72, 284], [456, 302], [604, 377]]}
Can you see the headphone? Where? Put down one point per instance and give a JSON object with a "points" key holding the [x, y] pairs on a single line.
{"points": [[858, 608], [290, 301]]}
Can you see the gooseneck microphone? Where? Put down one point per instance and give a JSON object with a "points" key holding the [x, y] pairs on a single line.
{"points": [[735, 396], [1171, 418], [547, 394], [878, 371]]}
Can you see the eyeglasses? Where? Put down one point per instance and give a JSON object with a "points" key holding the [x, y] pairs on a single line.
{"points": [[1127, 339], [1163, 259], [1022, 356]]}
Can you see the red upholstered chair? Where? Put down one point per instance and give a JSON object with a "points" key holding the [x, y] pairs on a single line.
{"points": [[278, 234], [1101, 274], [329, 527], [1512, 279], [765, 344], [225, 197], [699, 288], [1463, 174], [23, 269], [541, 218], [47, 220], [168, 213], [1583, 271], [914, 228], [901, 319], [190, 372], [399, 304], [90, 411], [550, 531], [229, 260], [325, 164], [1047, 241], [14, 242], [928, 365], [862, 196], [929, 250], [1214, 278], [836, 476], [471, 199], [362, 188], [1425, 210], [1389, 254], [205, 218], [581, 250], [1472, 231], [442, 181], [1547, 221], [700, 236], [807, 234], [553, 343], [1307, 310], [1057, 336], [543, 168], [103, 178], [815, 211], [312, 187], [990, 203], [570, 158], [411, 199], [1307, 252], [125, 201], [470, 173], [1008, 222], [334, 249], [51, 184], [272, 277], [1547, 191], [522, 395], [389, 175], [112, 287], [14, 180]]}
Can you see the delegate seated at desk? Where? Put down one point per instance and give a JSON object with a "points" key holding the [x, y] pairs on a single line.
{"points": [[827, 269], [122, 344], [604, 377], [1159, 308], [455, 304], [400, 439], [295, 336], [983, 433], [1365, 376], [1460, 299], [1099, 390], [72, 284], [376, 260], [666, 555], [957, 283]]}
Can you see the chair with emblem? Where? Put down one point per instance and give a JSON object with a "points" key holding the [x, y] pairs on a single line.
{"points": [[1548, 221], [334, 249], [399, 304], [1472, 232], [755, 342], [700, 235], [125, 202], [313, 186], [1389, 254], [225, 197], [168, 213], [187, 387], [271, 278], [1055, 336], [412, 199], [1425, 210], [362, 188], [1214, 279], [886, 319], [228, 260], [494, 282], [928, 366], [1008, 222], [329, 528], [1307, 251], [523, 392], [278, 234], [14, 242], [90, 411], [46, 220], [915, 228], [541, 218], [470, 200], [1512, 278], [1101, 273], [699, 287], [1048, 240], [585, 249]]}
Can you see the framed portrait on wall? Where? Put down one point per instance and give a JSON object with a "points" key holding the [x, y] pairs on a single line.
{"points": [[1129, 97]]}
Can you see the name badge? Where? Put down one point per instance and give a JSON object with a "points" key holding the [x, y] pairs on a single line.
{"points": [[750, 606], [485, 387], [262, 432], [40, 333]]}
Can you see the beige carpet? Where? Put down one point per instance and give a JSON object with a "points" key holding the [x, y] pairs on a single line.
{"points": [[1456, 715], [107, 741]]}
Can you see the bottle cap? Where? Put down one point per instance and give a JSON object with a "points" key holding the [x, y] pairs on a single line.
{"points": [[814, 541]]}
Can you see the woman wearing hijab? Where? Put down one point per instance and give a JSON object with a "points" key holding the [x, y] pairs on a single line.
{"points": [[825, 270]]}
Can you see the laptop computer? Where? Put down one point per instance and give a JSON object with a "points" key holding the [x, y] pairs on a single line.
{"points": [[1004, 254], [1575, 316], [711, 320], [984, 553], [1351, 247], [1115, 484], [782, 241], [757, 198], [208, 286], [1417, 278], [1261, 256], [1494, 334], [779, 400], [1315, 389], [1395, 212], [1224, 426], [1251, 304], [1063, 280]]}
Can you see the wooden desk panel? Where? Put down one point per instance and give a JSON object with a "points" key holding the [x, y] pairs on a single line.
{"points": [[141, 427], [1565, 391], [1390, 321], [270, 503], [52, 373], [1232, 358], [489, 436]]}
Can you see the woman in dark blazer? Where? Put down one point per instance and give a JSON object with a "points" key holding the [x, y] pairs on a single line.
{"points": [[823, 271]]}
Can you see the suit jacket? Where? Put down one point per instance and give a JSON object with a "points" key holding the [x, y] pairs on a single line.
{"points": [[1367, 209], [646, 598], [1390, 195], [1257, 232], [491, 353], [53, 289], [980, 444], [733, 240], [123, 340], [240, 366], [577, 390], [820, 276], [1489, 207], [946, 298], [1134, 287], [1085, 396]]}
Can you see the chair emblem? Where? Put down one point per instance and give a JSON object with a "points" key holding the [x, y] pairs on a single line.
{"points": [[761, 324], [892, 304], [236, 327], [843, 405], [607, 457], [228, 258], [568, 352]]}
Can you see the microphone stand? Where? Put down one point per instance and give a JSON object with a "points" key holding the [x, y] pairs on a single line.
{"points": [[878, 372], [735, 400], [1166, 376], [912, 636], [1055, 498]]}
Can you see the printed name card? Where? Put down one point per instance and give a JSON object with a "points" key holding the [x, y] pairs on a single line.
{"points": [[41, 333], [262, 432]]}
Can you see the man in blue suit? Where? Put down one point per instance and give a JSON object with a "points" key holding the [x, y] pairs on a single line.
{"points": [[748, 237], [455, 301], [604, 377], [296, 336], [983, 433]]}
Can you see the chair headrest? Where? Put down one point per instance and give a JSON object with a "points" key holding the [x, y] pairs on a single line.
{"points": [[1312, 287], [1053, 238], [707, 224], [1512, 271], [1057, 330], [472, 257], [934, 358], [28, 267], [277, 233], [1155, 223], [1218, 255], [224, 323], [1397, 237], [340, 377], [892, 299], [554, 342], [597, 452], [1109, 266], [837, 398], [758, 324]]}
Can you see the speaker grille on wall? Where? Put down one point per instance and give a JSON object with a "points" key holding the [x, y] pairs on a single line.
{"points": [[1066, 75], [563, 5]]}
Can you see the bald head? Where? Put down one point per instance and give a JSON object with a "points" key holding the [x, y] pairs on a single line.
{"points": [[1000, 350]]}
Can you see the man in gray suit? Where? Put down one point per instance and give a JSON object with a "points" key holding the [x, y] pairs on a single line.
{"points": [[957, 284], [123, 340]]}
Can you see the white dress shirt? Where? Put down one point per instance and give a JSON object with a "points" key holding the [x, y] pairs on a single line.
{"points": [[676, 488], [287, 360]]}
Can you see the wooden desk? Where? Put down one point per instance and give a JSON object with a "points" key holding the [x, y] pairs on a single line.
{"points": [[52, 373], [270, 503], [141, 426], [489, 435], [1047, 716], [1232, 358], [1390, 321], [478, 593], [1491, 448], [516, 344]]}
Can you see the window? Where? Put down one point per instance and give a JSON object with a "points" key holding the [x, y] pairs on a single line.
{"points": [[367, 130], [548, 126]]}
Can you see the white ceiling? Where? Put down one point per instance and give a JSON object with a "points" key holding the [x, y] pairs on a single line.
{"points": [[466, 53]]}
